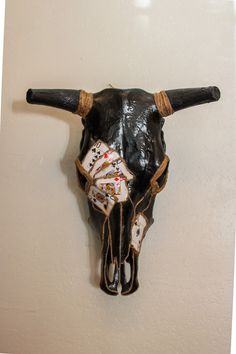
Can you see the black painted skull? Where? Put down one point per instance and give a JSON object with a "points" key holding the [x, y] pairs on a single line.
{"points": [[122, 165]]}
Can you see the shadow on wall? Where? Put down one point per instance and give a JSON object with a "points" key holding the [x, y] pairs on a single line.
{"points": [[68, 168]]}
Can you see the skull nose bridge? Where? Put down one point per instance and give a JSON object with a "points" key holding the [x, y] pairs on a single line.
{"points": [[124, 229], [120, 275], [118, 251]]}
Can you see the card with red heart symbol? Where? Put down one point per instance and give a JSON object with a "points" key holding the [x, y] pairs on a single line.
{"points": [[102, 200], [116, 168], [104, 161], [116, 187]]}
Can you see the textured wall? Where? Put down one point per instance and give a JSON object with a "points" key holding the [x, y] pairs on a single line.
{"points": [[49, 299]]}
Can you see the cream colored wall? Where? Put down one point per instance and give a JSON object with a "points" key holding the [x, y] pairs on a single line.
{"points": [[49, 298]]}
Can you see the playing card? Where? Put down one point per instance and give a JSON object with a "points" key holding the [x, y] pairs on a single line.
{"points": [[115, 168], [115, 187], [104, 161], [109, 174], [94, 153], [103, 201], [137, 232]]}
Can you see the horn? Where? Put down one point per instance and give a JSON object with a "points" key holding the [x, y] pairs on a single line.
{"points": [[171, 101], [76, 101]]}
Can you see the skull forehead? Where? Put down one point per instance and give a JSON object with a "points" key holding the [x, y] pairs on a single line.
{"points": [[134, 131], [131, 112], [118, 91]]}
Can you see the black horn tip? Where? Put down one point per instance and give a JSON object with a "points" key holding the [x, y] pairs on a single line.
{"points": [[215, 92], [29, 96]]}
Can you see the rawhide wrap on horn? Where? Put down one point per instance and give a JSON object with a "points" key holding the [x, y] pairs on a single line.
{"points": [[163, 104], [85, 103]]}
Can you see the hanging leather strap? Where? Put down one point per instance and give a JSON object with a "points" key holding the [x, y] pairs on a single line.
{"points": [[155, 188]]}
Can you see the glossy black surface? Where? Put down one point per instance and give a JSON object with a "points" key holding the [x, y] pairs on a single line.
{"points": [[64, 99], [185, 98], [128, 121]]}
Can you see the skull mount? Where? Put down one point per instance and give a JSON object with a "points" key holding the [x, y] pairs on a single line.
{"points": [[122, 164]]}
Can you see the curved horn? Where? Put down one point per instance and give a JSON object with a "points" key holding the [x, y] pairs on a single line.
{"points": [[75, 101], [170, 101]]}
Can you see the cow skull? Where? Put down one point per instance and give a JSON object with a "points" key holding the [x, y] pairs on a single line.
{"points": [[122, 164]]}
